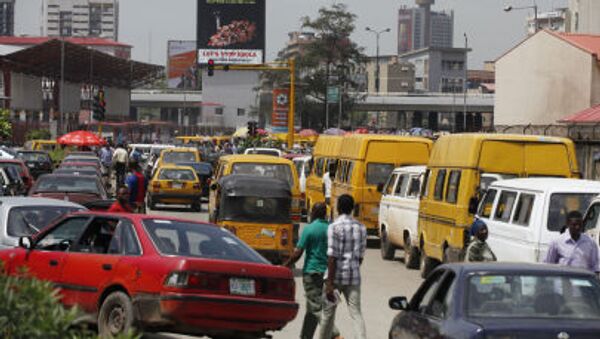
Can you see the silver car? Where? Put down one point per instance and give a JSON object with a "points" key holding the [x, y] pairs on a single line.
{"points": [[25, 216]]}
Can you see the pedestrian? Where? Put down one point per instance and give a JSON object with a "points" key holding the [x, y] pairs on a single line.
{"points": [[313, 241], [137, 185], [120, 163], [106, 158], [122, 204], [135, 156], [327, 182], [346, 246], [479, 250], [574, 248]]}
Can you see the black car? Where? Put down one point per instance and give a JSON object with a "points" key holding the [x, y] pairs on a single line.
{"points": [[204, 171], [38, 162], [501, 300]]}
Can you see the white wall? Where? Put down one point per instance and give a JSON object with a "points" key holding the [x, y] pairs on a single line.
{"points": [[542, 81], [586, 15]]}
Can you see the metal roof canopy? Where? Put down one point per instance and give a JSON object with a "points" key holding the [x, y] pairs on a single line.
{"points": [[81, 65]]}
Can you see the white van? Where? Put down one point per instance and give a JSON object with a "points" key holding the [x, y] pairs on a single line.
{"points": [[525, 215], [399, 214]]}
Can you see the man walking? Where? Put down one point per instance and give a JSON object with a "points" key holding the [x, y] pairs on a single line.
{"points": [[346, 246], [106, 157], [120, 162], [313, 241], [479, 250], [137, 184], [573, 248]]}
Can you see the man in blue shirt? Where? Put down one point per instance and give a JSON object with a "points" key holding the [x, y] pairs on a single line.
{"points": [[313, 241]]}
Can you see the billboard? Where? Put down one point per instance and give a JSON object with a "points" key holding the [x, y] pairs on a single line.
{"points": [[181, 65], [281, 110], [231, 31]]}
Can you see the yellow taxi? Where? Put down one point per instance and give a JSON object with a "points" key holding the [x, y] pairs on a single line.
{"points": [[178, 155], [175, 185]]}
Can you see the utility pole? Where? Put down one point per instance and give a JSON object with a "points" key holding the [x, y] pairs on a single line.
{"points": [[62, 86], [377, 66], [465, 81]]}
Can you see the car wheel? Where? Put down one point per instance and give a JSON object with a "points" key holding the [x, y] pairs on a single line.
{"points": [[411, 255], [115, 316], [427, 265], [387, 250]]}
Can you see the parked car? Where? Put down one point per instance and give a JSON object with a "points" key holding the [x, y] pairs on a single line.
{"points": [[524, 215], [399, 214], [77, 188], [38, 162], [81, 166], [25, 216], [21, 168], [167, 274], [500, 300]]}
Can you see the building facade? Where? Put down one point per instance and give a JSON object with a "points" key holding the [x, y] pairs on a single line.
{"points": [[420, 27], [81, 18], [438, 69], [394, 76], [557, 20], [7, 17], [585, 16]]}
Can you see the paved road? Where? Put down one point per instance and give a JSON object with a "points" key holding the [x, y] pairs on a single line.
{"points": [[381, 280]]}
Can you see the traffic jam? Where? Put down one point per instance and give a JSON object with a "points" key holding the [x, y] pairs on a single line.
{"points": [[477, 214]]}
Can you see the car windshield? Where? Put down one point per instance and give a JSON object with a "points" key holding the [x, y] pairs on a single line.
{"points": [[255, 209], [378, 173], [276, 171], [201, 168], [70, 165], [176, 174], [533, 296], [34, 157], [175, 157], [75, 171], [28, 220], [563, 203], [77, 159], [70, 184], [18, 168], [198, 240]]}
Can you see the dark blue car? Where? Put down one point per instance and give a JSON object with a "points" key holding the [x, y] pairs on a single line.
{"points": [[501, 301]]}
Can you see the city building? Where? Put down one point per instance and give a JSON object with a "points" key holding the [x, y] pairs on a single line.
{"points": [[81, 18], [585, 16], [7, 17], [438, 69], [296, 44], [110, 47], [394, 76], [547, 77], [420, 27], [557, 20]]}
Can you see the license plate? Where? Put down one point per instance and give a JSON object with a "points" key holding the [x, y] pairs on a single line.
{"points": [[239, 286], [177, 185]]}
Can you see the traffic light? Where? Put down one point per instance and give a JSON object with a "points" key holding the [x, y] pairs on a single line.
{"points": [[211, 67], [99, 106]]}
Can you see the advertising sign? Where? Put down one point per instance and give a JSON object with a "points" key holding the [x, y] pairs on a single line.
{"points": [[231, 31], [281, 110], [181, 65]]}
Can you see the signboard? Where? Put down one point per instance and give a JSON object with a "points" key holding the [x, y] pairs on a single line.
{"points": [[281, 110], [181, 65], [333, 94], [231, 31]]}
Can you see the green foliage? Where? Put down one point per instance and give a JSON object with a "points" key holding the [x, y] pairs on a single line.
{"points": [[5, 124], [30, 308], [38, 134]]}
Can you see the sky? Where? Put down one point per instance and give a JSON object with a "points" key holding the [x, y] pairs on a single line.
{"points": [[149, 24]]}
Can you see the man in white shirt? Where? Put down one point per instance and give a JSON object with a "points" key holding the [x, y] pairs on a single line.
{"points": [[120, 158], [327, 184]]}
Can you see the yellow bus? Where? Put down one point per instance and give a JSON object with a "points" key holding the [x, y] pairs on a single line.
{"points": [[365, 163], [461, 167], [326, 152]]}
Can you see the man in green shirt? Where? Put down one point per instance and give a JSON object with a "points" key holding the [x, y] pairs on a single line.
{"points": [[313, 241]]}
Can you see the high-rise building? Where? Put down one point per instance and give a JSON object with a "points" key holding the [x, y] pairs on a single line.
{"points": [[81, 18], [7, 17], [420, 27], [585, 16]]}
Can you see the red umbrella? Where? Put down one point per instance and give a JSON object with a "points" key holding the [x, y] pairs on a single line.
{"points": [[81, 138], [308, 133]]}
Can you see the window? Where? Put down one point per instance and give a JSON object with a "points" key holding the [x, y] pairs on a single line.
{"points": [[124, 240], [219, 111], [591, 218], [563, 203], [415, 187], [523, 210], [276, 171], [438, 193], [378, 173], [27, 220], [62, 237], [241, 112], [426, 183], [453, 185], [349, 172], [390, 185], [485, 209], [441, 303], [402, 184], [425, 295], [505, 206], [319, 167]]}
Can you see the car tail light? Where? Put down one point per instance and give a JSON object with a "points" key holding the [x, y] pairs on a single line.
{"points": [[156, 185], [282, 288], [285, 237], [198, 280]]}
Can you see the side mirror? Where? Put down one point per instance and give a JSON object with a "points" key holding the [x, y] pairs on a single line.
{"points": [[380, 187], [473, 204], [398, 303], [213, 187], [26, 243]]}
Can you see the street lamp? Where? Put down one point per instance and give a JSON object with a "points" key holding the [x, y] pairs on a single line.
{"points": [[535, 13], [377, 34]]}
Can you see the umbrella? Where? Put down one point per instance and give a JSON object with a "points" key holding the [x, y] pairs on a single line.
{"points": [[308, 133], [81, 138], [334, 131], [241, 132]]}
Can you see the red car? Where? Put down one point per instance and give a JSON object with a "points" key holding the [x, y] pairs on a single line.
{"points": [[80, 189], [21, 168], [158, 274]]}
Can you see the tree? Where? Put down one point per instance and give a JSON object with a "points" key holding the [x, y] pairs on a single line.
{"points": [[331, 53], [5, 124]]}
